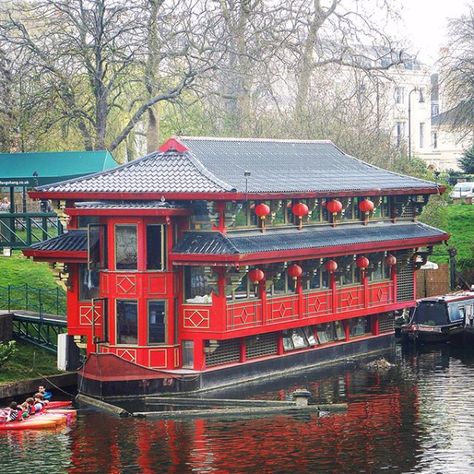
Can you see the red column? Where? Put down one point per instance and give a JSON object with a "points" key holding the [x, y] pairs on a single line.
{"points": [[219, 321], [393, 275], [199, 359], [375, 325], [347, 329], [263, 302], [243, 350], [280, 349], [365, 283], [332, 286], [299, 292]]}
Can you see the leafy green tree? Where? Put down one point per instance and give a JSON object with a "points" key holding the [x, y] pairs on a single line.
{"points": [[466, 162]]}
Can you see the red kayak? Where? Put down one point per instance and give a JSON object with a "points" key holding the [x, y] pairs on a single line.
{"points": [[62, 404], [33, 423]]}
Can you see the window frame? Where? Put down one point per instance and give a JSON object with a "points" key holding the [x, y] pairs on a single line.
{"points": [[126, 224], [85, 267], [165, 322], [125, 300], [163, 243]]}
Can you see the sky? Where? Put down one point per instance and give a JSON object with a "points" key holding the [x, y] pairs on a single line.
{"points": [[425, 24]]}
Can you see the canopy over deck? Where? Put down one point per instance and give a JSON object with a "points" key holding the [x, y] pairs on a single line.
{"points": [[39, 168]]}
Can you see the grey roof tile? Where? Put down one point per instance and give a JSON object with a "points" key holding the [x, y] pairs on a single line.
{"points": [[214, 165], [72, 241], [246, 242]]}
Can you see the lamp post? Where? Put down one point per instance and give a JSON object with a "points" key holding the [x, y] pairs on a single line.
{"points": [[415, 89]]}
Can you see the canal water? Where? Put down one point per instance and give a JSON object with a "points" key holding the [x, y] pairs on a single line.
{"points": [[416, 417]]}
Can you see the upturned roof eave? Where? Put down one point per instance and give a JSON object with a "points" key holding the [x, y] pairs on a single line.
{"points": [[303, 253], [228, 195]]}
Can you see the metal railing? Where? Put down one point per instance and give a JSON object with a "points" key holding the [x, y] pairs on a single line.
{"points": [[39, 331], [20, 230], [42, 301]]}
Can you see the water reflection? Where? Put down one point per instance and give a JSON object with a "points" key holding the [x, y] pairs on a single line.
{"points": [[417, 417]]}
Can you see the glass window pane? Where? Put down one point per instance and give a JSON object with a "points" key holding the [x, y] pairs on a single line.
{"points": [[196, 285], [154, 246], [88, 283], [359, 326], [127, 322], [126, 247], [188, 354], [97, 246], [156, 322]]}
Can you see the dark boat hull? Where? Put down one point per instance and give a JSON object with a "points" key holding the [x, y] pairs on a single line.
{"points": [[95, 383], [419, 334]]}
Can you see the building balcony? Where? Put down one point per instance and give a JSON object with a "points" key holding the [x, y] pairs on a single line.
{"points": [[224, 320]]}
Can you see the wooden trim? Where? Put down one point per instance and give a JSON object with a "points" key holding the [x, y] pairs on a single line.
{"points": [[118, 212], [228, 196]]}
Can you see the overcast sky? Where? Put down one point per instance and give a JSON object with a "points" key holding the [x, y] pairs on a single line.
{"points": [[425, 24]]}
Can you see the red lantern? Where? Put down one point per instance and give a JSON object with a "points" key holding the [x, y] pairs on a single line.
{"points": [[362, 262], [256, 276], [300, 210], [295, 271], [366, 206], [331, 266], [334, 206], [391, 260], [262, 210]]}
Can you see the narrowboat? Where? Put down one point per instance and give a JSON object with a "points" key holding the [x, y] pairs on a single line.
{"points": [[439, 318]]}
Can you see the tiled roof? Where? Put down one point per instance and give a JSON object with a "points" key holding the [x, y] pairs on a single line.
{"points": [[249, 242], [214, 165], [124, 205], [292, 166], [72, 241], [155, 173]]}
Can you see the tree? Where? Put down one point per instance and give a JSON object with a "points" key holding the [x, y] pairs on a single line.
{"points": [[466, 162], [457, 75], [97, 60]]}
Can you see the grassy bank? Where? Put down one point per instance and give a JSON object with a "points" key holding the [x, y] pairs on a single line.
{"points": [[459, 222], [27, 363], [18, 270], [29, 285]]}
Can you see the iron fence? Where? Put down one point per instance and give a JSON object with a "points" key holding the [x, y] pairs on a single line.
{"points": [[20, 230], [38, 300]]}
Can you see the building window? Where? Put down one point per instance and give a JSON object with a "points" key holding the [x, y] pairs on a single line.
{"points": [[359, 326], [400, 132], [422, 134], [155, 247], [434, 140], [126, 250], [197, 285], [328, 332], [156, 322], [83, 222], [318, 278], [241, 288], [421, 97], [188, 354], [96, 247], [127, 322], [88, 283], [399, 95]]}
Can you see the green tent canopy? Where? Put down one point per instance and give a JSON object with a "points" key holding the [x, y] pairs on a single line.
{"points": [[38, 168]]}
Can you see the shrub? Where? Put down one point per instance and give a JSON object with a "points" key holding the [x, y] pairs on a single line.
{"points": [[7, 351]]}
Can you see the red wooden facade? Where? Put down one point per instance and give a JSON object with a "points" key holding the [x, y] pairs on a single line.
{"points": [[160, 286]]}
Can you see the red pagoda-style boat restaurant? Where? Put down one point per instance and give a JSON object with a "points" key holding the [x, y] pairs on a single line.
{"points": [[214, 260]]}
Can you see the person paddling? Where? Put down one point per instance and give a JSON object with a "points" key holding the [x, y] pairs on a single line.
{"points": [[47, 395], [13, 414]]}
